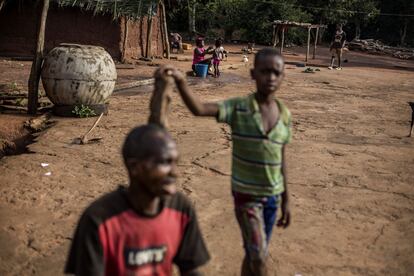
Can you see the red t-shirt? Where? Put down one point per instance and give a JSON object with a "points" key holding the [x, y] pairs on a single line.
{"points": [[113, 239]]}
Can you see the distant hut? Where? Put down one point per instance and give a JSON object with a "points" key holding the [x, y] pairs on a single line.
{"points": [[119, 26]]}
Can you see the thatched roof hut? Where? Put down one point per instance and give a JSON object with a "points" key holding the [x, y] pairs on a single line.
{"points": [[120, 26]]}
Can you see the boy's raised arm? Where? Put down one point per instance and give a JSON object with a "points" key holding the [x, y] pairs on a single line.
{"points": [[193, 103]]}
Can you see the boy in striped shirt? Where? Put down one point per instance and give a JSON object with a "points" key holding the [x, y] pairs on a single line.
{"points": [[261, 128]]}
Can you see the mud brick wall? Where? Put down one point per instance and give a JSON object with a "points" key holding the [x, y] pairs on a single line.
{"points": [[18, 31], [137, 37]]}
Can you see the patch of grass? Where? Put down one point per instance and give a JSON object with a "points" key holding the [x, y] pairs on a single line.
{"points": [[13, 86], [83, 111]]}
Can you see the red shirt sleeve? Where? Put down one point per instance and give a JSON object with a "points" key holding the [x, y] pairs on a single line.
{"points": [[192, 252]]}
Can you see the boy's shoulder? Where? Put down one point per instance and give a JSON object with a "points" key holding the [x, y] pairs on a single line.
{"points": [[179, 202], [241, 99], [108, 205]]}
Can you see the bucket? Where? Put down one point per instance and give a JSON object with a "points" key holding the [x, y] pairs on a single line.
{"points": [[201, 70]]}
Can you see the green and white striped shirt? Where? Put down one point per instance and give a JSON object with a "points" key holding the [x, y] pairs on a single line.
{"points": [[257, 156]]}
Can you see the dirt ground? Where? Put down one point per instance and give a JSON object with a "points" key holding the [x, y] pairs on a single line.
{"points": [[350, 171]]}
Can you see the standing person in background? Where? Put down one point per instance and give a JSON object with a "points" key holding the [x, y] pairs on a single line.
{"points": [[218, 55], [337, 45]]}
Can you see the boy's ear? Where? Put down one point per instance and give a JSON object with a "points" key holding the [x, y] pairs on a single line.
{"points": [[134, 166]]}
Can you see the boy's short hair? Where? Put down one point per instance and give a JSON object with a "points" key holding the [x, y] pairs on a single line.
{"points": [[141, 141], [265, 52]]}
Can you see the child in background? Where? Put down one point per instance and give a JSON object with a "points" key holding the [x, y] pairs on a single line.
{"points": [[337, 46], [218, 55]]}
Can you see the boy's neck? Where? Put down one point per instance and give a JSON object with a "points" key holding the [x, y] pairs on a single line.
{"points": [[142, 201], [263, 98]]}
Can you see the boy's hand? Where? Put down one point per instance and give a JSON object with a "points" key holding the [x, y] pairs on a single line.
{"points": [[168, 70], [284, 221]]}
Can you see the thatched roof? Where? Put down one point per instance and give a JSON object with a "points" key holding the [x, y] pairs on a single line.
{"points": [[118, 8]]}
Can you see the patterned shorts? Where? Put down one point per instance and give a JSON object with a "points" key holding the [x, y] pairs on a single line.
{"points": [[256, 217]]}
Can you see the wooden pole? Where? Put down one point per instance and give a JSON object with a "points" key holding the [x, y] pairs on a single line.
{"points": [[149, 34], [33, 84], [162, 28], [274, 36], [316, 42], [283, 39], [307, 50], [165, 29], [125, 39]]}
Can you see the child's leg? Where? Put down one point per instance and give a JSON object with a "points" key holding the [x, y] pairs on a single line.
{"points": [[412, 118], [270, 214], [215, 70], [412, 125], [250, 214], [339, 54], [218, 70], [332, 58]]}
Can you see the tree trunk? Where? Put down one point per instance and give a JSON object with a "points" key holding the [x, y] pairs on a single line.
{"points": [[403, 32], [164, 29], [191, 17], [33, 84], [228, 34], [124, 46], [283, 40], [321, 32], [357, 29], [148, 51]]}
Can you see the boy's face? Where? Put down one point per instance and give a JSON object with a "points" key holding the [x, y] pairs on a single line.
{"points": [[157, 174], [268, 74]]}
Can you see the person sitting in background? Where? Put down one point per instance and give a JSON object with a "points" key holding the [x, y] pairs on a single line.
{"points": [[176, 42], [200, 52]]}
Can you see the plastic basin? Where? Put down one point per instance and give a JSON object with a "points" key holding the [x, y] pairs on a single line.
{"points": [[201, 70]]}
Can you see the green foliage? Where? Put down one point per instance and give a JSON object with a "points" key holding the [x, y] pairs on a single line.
{"points": [[13, 86], [83, 111], [251, 19], [391, 28]]}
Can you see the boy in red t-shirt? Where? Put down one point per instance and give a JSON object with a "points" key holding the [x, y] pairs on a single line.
{"points": [[144, 228]]}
